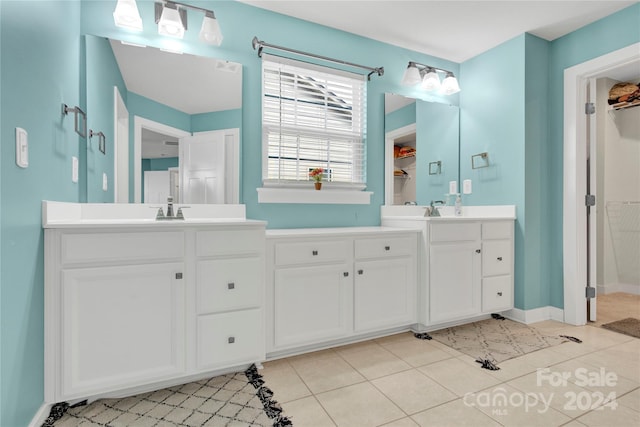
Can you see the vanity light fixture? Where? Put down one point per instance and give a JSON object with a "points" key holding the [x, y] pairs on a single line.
{"points": [[172, 21], [428, 77], [126, 15], [171, 17]]}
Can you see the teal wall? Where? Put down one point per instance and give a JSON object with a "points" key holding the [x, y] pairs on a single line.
{"points": [[401, 117], [227, 119], [492, 120], [614, 32], [437, 130], [42, 69], [102, 74], [39, 71]]}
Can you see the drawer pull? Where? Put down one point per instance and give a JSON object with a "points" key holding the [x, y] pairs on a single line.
{"points": [[477, 251], [314, 253], [499, 258], [360, 272], [499, 294], [346, 274], [231, 285], [231, 340], [178, 276], [386, 248]]}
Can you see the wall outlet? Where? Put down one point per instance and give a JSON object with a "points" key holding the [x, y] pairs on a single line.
{"points": [[466, 186]]}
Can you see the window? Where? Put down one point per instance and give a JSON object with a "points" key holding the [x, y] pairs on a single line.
{"points": [[312, 117]]}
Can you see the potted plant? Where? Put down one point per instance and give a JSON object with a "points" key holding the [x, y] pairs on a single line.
{"points": [[316, 174]]}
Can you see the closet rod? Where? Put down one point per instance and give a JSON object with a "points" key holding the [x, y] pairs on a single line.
{"points": [[259, 44]]}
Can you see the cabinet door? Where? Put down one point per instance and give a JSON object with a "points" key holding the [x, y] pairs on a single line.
{"points": [[454, 281], [312, 304], [121, 326], [385, 294]]}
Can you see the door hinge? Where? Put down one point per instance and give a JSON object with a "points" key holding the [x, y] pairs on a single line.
{"points": [[589, 108], [590, 200], [590, 292]]}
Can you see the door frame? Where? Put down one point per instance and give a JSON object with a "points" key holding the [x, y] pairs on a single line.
{"points": [[120, 148], [389, 139], [574, 176], [140, 123]]}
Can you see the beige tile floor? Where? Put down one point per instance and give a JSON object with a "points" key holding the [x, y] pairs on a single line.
{"points": [[402, 381], [616, 306]]}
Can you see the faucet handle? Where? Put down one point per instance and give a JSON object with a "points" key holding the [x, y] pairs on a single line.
{"points": [[160, 213], [179, 214]]}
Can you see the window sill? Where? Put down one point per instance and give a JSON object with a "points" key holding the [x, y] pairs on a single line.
{"points": [[312, 196]]}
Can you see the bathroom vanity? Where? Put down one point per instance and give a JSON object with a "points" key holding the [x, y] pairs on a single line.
{"points": [[465, 262], [133, 304], [335, 285]]}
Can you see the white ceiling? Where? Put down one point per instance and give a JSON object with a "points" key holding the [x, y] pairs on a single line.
{"points": [[452, 30]]}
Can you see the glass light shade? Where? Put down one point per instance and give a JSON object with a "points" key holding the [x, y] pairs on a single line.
{"points": [[431, 80], [450, 85], [170, 23], [210, 32], [411, 76], [126, 15]]}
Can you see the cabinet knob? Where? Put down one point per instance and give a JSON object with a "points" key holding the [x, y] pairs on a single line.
{"points": [[499, 258], [477, 251], [314, 253], [499, 294], [346, 274], [178, 276], [360, 271], [386, 248], [231, 340], [231, 285]]}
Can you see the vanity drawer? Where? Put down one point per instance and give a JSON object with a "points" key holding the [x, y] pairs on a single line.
{"points": [[497, 230], [497, 293], [496, 257], [230, 339], [229, 284], [385, 247], [229, 242], [320, 251], [108, 247], [454, 231]]}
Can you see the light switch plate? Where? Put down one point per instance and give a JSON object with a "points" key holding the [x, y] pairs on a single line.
{"points": [[22, 148], [466, 186], [74, 169], [105, 185]]}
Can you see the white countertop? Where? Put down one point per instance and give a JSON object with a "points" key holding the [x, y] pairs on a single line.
{"points": [[469, 213], [105, 215]]}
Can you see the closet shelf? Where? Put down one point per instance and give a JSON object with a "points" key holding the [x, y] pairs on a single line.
{"points": [[406, 156], [623, 105]]}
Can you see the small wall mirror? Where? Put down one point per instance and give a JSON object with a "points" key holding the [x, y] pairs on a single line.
{"points": [[421, 150], [176, 121]]}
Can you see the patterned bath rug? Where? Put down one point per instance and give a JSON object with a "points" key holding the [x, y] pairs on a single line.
{"points": [[495, 340], [237, 399], [628, 326]]}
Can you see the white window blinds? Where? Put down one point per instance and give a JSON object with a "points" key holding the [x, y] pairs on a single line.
{"points": [[312, 117]]}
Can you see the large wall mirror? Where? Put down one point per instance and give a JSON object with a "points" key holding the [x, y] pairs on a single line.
{"points": [[172, 124], [421, 150]]}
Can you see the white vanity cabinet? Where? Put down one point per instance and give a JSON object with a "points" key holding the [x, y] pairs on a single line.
{"points": [[465, 263], [327, 285], [115, 311], [135, 305]]}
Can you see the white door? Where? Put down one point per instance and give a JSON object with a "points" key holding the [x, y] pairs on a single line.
{"points": [[208, 167], [157, 186]]}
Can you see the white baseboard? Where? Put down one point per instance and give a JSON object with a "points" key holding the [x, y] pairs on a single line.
{"points": [[535, 315], [41, 415], [610, 288]]}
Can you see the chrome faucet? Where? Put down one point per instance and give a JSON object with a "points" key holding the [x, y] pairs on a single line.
{"points": [[434, 209], [169, 216]]}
